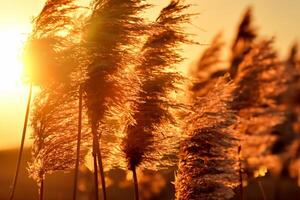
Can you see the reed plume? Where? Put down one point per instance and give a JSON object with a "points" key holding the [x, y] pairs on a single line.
{"points": [[293, 57], [148, 140], [260, 81], [242, 44], [208, 67], [158, 78], [54, 123], [294, 161], [288, 144], [43, 50], [286, 132], [208, 166], [292, 75], [210, 59], [112, 34], [49, 48], [293, 64]]}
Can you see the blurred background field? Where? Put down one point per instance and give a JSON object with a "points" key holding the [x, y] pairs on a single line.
{"points": [[153, 187]]}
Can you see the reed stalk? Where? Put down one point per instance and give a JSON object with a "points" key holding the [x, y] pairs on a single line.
{"points": [[262, 190], [98, 158], [101, 170], [41, 197], [96, 175], [136, 185], [22, 144], [78, 143]]}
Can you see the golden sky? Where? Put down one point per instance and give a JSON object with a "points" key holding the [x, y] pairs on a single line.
{"points": [[273, 18]]}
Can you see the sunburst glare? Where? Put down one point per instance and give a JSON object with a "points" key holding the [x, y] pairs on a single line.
{"points": [[11, 44]]}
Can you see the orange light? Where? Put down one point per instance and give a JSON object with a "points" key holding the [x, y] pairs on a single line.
{"points": [[11, 64]]}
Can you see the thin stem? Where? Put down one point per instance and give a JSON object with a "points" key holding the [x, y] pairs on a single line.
{"points": [[136, 185], [22, 145], [262, 190], [78, 144], [42, 190], [240, 174], [97, 151], [96, 176], [101, 174]]}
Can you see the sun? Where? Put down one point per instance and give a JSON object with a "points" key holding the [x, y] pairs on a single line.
{"points": [[11, 44]]}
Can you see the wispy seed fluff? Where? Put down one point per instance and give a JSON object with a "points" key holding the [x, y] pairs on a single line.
{"points": [[246, 34], [287, 146], [112, 35], [208, 68], [149, 139], [54, 122], [50, 52], [260, 81], [50, 49], [208, 157]]}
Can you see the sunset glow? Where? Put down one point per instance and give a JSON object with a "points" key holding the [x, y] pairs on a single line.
{"points": [[11, 64], [149, 99]]}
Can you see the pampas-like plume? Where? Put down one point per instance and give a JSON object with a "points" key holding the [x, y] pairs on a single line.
{"points": [[293, 56], [290, 98], [287, 131], [43, 57], [260, 81], [208, 166], [242, 43], [294, 164], [158, 79], [288, 144], [112, 34], [210, 59], [149, 137], [54, 123], [50, 46], [293, 70], [208, 67]]}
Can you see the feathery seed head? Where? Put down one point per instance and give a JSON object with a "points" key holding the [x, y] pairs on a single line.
{"points": [[208, 156], [149, 138]]}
